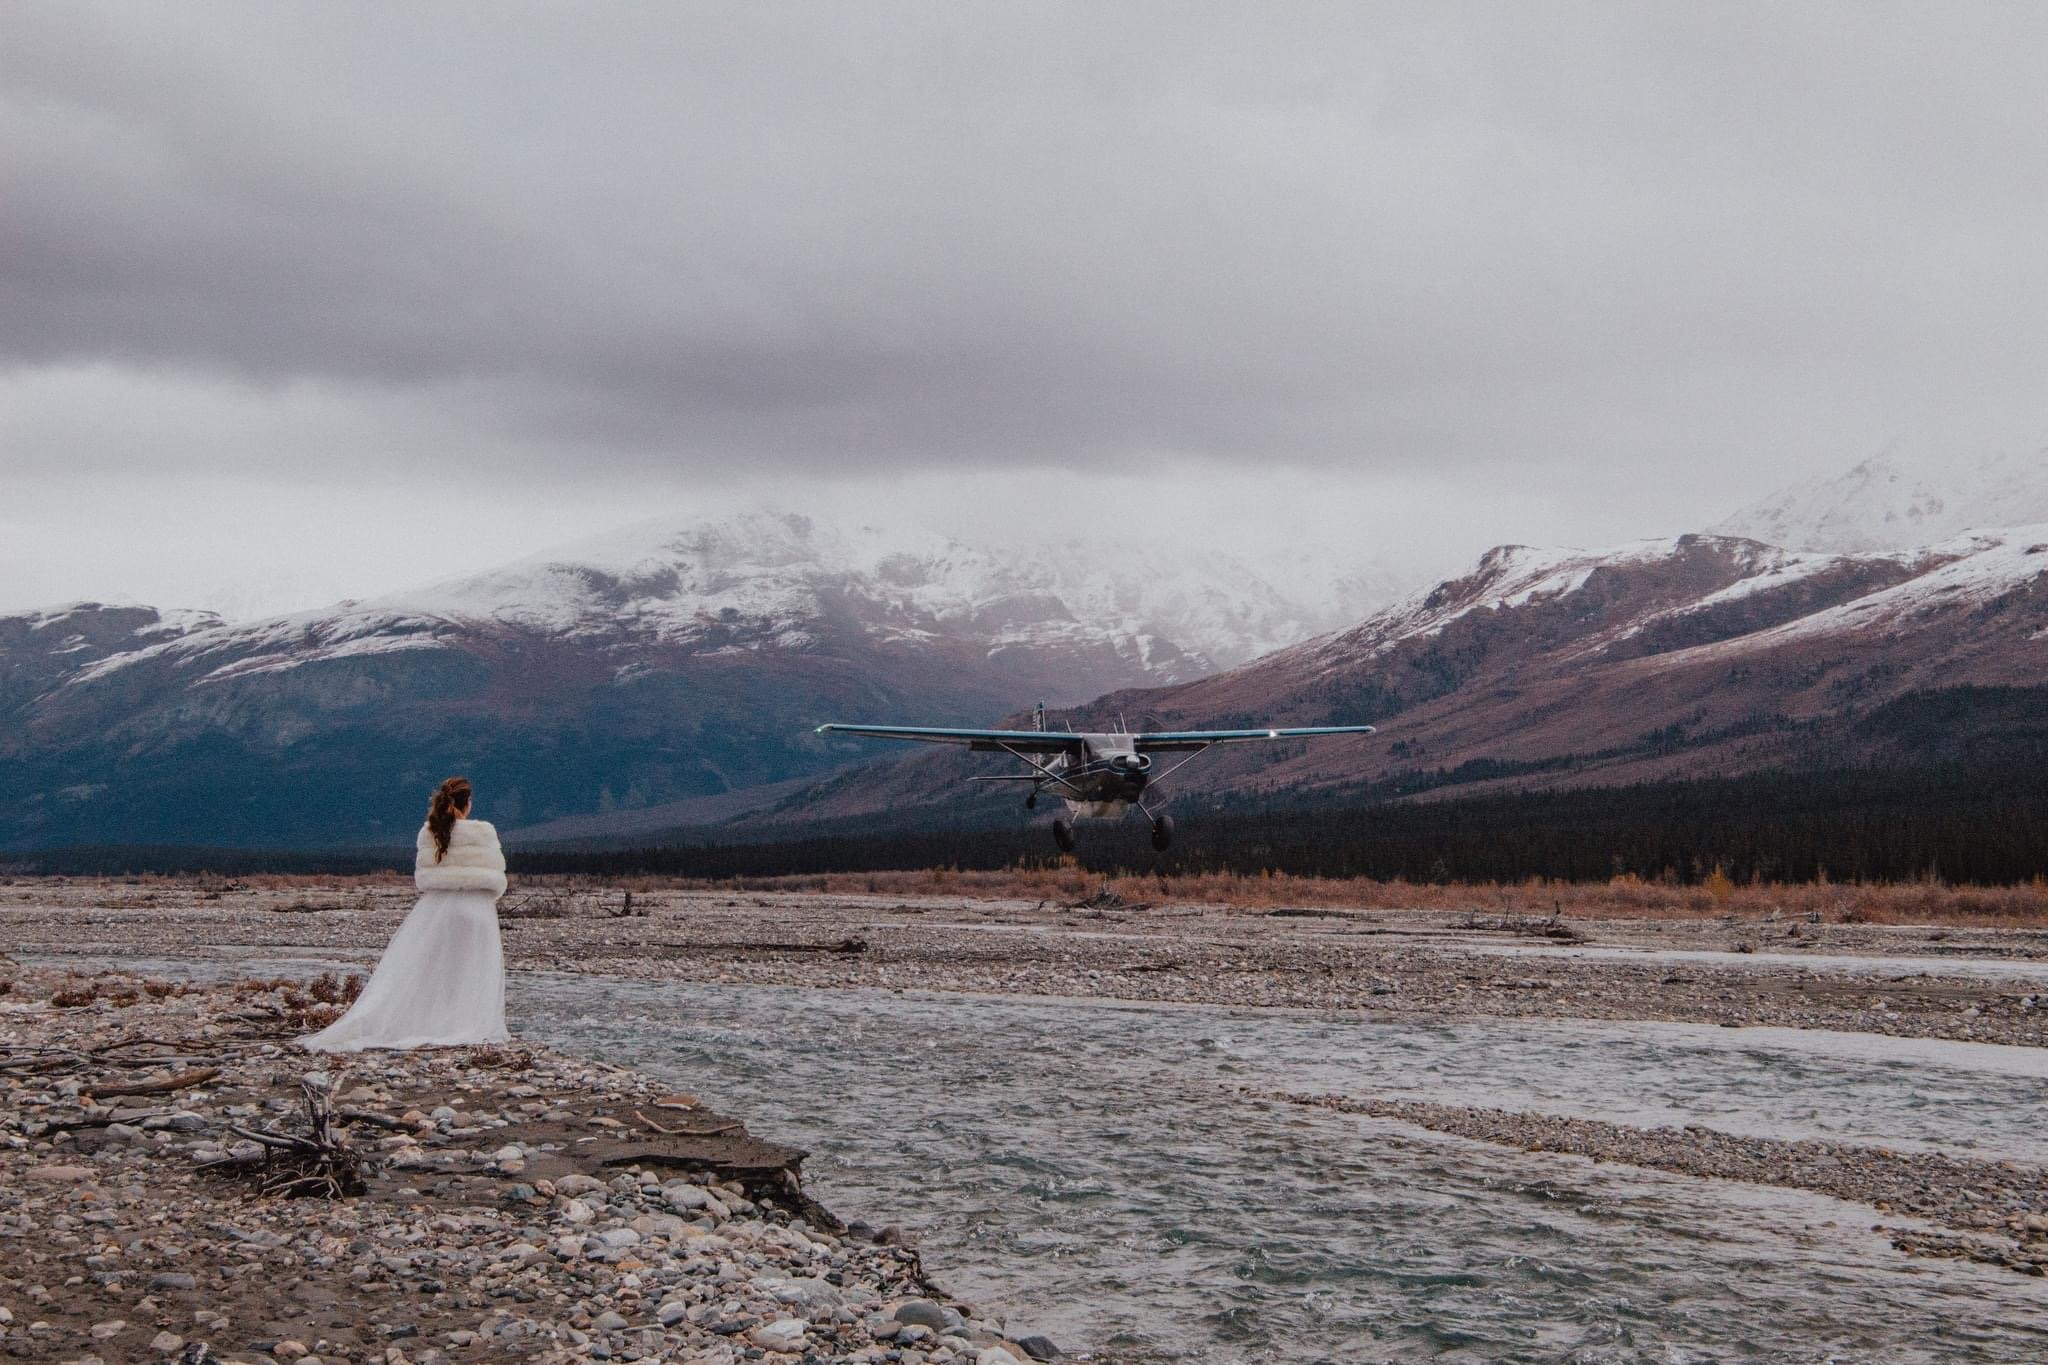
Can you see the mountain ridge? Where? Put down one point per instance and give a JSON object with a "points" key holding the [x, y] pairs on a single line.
{"points": [[1901, 498], [1700, 655], [669, 664]]}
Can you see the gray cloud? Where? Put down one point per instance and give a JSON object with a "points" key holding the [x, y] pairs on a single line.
{"points": [[1636, 249]]}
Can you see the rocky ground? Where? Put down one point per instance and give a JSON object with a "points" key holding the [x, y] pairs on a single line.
{"points": [[1421, 965], [507, 1203], [525, 1205]]}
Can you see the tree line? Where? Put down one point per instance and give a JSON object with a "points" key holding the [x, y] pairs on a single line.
{"points": [[1961, 823]]}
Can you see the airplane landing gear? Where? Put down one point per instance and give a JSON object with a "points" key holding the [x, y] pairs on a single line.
{"points": [[1063, 835], [1162, 833]]}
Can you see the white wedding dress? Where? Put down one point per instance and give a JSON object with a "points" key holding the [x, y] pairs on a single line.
{"points": [[441, 981]]}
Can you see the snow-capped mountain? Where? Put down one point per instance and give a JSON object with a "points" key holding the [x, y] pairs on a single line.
{"points": [[770, 581], [1703, 653], [1695, 656], [1901, 499], [683, 667], [40, 649], [1170, 614], [664, 663]]}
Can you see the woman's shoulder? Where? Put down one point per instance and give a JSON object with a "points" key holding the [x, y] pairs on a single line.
{"points": [[478, 829]]}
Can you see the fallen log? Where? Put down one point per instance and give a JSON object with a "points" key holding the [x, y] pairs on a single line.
{"points": [[184, 1080]]}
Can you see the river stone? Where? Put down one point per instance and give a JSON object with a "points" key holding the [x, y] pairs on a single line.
{"points": [[686, 1198], [61, 1175], [672, 1312], [609, 1321], [1039, 1348], [166, 1342], [664, 1225], [808, 1290], [923, 1313], [578, 1184], [784, 1334], [172, 1279]]}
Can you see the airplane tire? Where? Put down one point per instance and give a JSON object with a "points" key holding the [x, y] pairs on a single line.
{"points": [[1162, 833], [1031, 801], [1063, 835]]}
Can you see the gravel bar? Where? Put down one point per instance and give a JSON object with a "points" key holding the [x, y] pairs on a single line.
{"points": [[514, 1204]]}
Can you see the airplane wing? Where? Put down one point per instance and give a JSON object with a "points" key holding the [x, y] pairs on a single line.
{"points": [[1168, 740], [987, 741]]}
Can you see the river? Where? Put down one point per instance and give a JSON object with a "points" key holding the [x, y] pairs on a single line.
{"points": [[1086, 1169]]}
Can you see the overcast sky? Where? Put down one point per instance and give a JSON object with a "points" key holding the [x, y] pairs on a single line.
{"points": [[303, 300]]}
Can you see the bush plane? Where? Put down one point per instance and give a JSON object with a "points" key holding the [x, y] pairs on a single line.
{"points": [[1100, 776]]}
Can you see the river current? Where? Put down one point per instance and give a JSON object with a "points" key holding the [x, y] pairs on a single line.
{"points": [[1086, 1169]]}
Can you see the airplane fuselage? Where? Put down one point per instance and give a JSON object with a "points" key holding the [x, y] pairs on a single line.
{"points": [[1107, 779]]}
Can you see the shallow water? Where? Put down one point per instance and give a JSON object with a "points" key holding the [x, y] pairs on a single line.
{"points": [[1084, 1169]]}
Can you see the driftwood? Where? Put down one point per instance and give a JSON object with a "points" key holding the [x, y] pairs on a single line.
{"points": [[41, 1061], [375, 1119], [320, 1162], [1106, 899], [844, 945], [106, 1120], [184, 1080], [713, 1131]]}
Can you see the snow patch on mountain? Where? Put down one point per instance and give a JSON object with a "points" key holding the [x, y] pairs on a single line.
{"points": [[1969, 571], [1181, 611], [1901, 499], [769, 580], [1506, 577], [169, 621]]}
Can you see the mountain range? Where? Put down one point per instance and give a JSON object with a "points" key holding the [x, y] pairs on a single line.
{"points": [[664, 664], [669, 675]]}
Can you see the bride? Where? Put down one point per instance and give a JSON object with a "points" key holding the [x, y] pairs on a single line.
{"points": [[442, 978]]}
